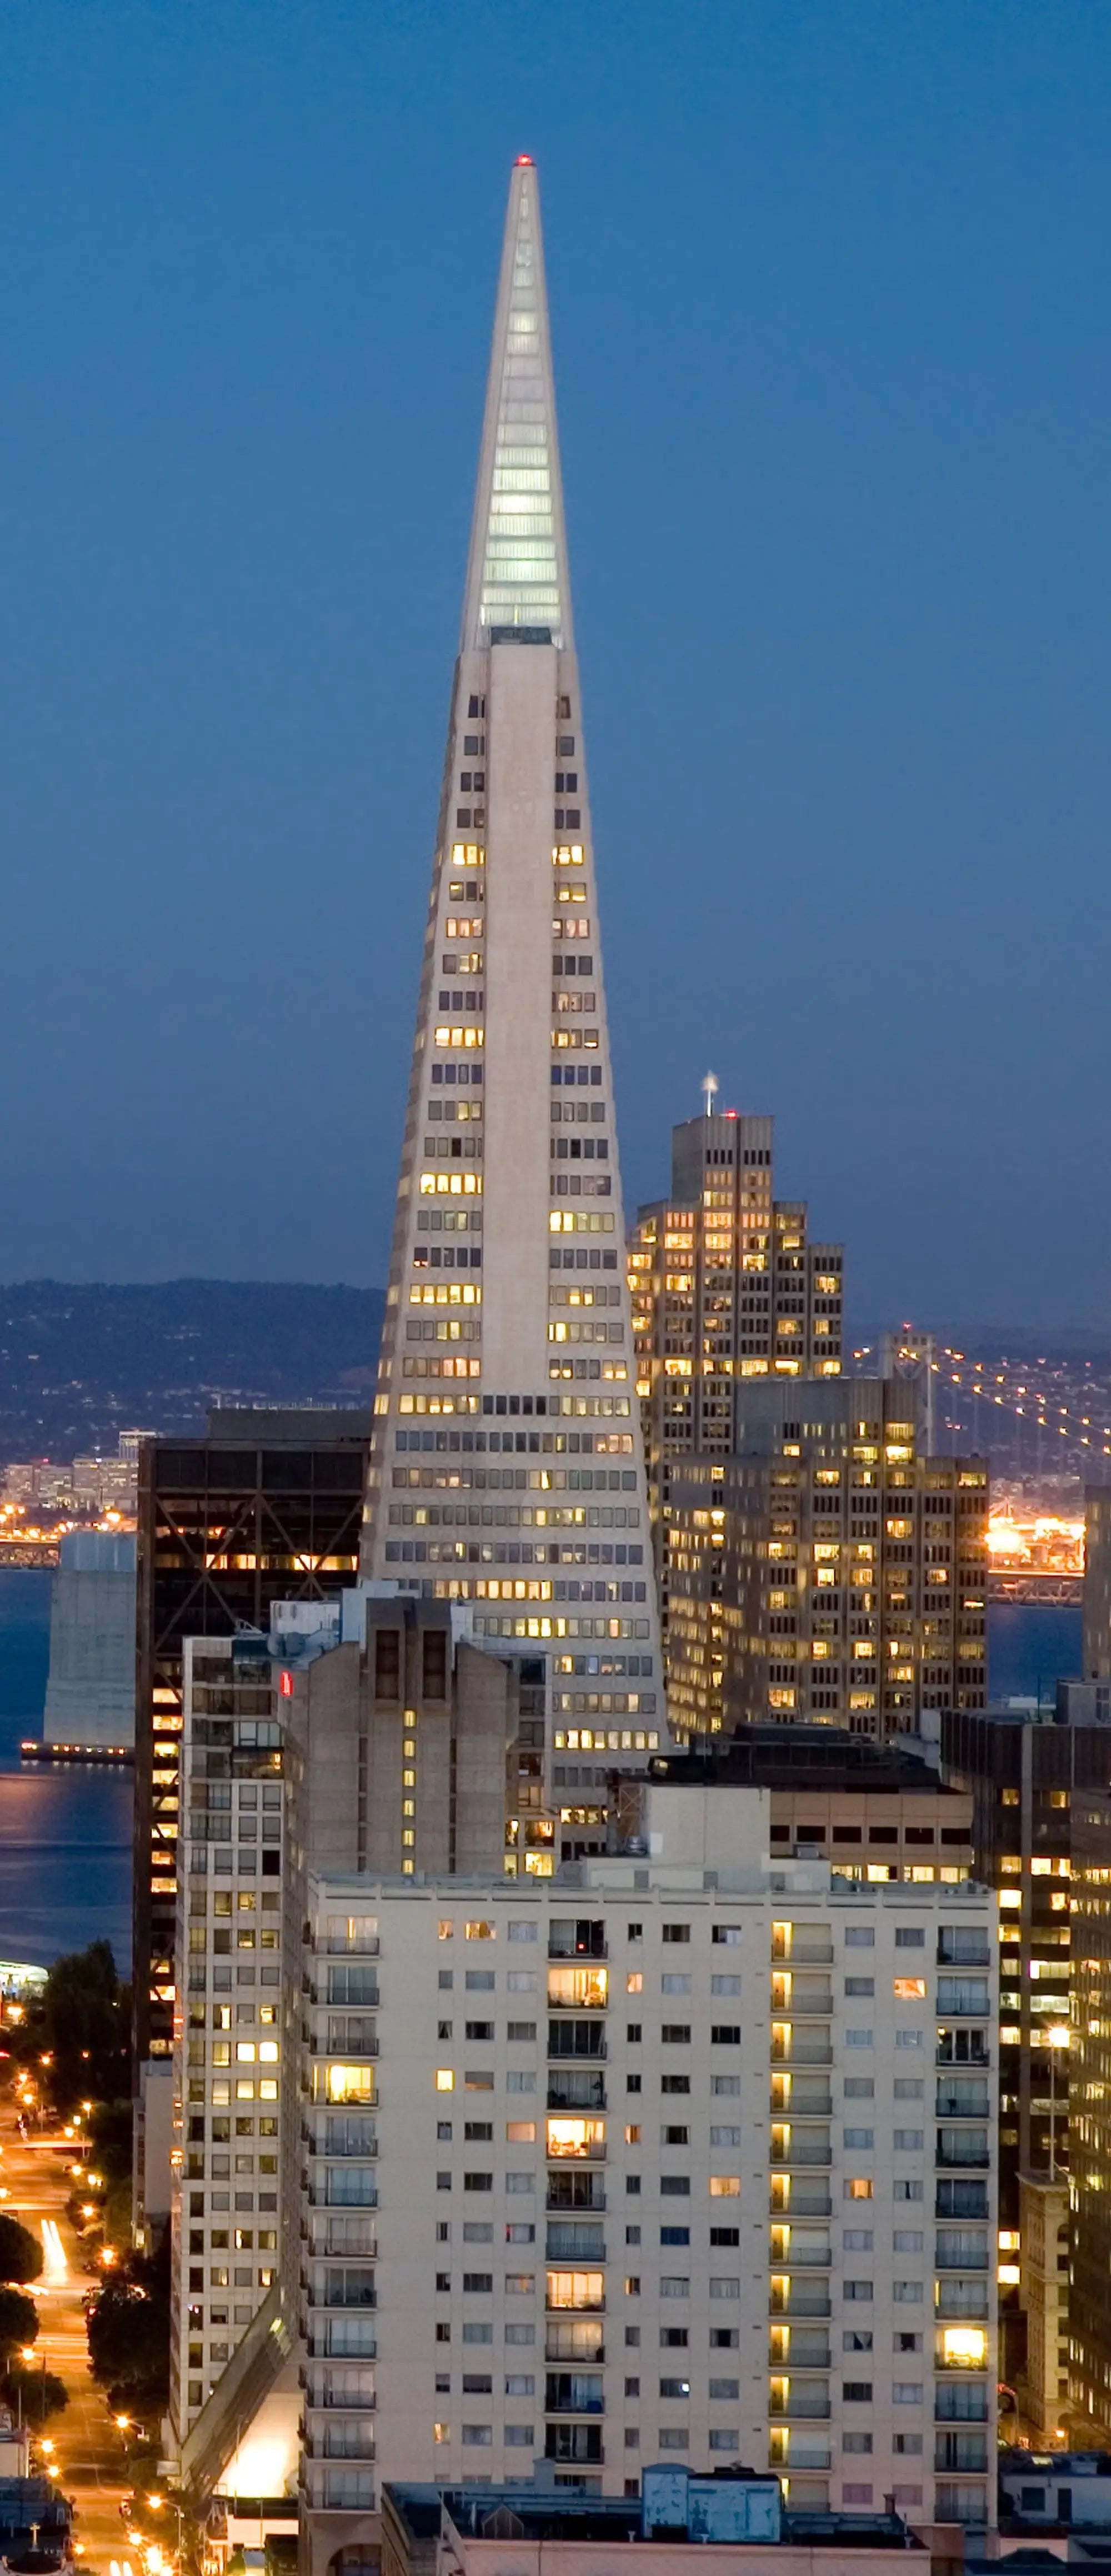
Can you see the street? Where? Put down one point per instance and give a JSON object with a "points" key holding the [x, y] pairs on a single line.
{"points": [[87, 2445]]}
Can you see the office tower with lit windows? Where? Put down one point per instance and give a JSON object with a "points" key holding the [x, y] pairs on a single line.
{"points": [[725, 1287], [267, 1507], [507, 1470], [1090, 2114], [826, 1570], [1032, 1784]]}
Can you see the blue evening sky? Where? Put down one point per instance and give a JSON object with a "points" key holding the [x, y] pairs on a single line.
{"points": [[830, 291]]}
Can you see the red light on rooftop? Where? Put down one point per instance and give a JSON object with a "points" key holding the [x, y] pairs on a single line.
{"points": [[731, 1113], [523, 161], [287, 1686]]}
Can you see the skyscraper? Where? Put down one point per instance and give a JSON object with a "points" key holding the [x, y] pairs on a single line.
{"points": [[725, 1287], [507, 1469]]}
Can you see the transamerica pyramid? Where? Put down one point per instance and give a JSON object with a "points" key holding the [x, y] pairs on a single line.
{"points": [[507, 1471]]}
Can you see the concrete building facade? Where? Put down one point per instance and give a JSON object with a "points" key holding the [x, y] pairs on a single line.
{"points": [[662, 2158], [507, 1468]]}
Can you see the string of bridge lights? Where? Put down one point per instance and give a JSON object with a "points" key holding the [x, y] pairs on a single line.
{"points": [[1036, 1410]]}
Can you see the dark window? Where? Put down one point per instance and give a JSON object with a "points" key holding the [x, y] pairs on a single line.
{"points": [[435, 1663], [387, 1663]]}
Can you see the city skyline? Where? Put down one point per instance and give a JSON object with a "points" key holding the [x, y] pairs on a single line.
{"points": [[233, 564]]}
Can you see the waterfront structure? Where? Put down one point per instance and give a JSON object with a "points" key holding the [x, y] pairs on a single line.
{"points": [[660, 2158], [874, 1811], [90, 1690], [507, 1469], [266, 1507], [1030, 1781], [826, 1570], [725, 1286]]}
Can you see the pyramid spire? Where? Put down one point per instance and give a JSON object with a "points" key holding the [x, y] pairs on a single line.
{"points": [[507, 1469], [517, 569]]}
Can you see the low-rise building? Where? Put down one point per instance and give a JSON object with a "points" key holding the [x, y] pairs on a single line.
{"points": [[722, 2525]]}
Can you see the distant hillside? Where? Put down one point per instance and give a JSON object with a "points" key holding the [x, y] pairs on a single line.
{"points": [[79, 1365]]}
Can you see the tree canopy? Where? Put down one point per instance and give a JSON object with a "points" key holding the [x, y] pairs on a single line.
{"points": [[20, 2252]]}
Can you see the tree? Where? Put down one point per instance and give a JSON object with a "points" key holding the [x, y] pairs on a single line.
{"points": [[85, 2027], [129, 2331], [20, 2252], [34, 2394], [19, 2321]]}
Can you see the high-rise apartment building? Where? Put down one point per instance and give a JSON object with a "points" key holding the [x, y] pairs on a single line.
{"points": [[507, 1469], [826, 1570], [1097, 1583], [874, 1811], [725, 1287], [370, 1733], [665, 2157], [267, 1508]]}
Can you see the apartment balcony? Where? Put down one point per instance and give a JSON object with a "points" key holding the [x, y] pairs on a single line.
{"points": [[574, 2340], [342, 2440], [808, 2200], [799, 2299], [962, 2099], [957, 2299], [958, 1948], [347, 2036], [359, 1993], [345, 2288], [334, 2133], [331, 2487], [804, 2003], [568, 2393], [806, 2353], [321, 2397], [363, 2195], [961, 2451], [806, 2403], [803, 1950], [956, 2252], [967, 2048], [343, 2236], [803, 2147], [791, 2047], [572, 2241], [816, 2104], [958, 2150], [321, 2343], [583, 1939], [574, 2191], [574, 2443], [961, 2404], [576, 2092], [360, 1945]]}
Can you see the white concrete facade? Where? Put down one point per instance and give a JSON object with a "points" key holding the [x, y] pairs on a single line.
{"points": [[507, 1331], [665, 2157]]}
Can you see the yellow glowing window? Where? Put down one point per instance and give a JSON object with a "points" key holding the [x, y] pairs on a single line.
{"points": [[268, 2052], [858, 2188], [964, 2346], [480, 1931], [586, 1988], [445, 2080], [408, 1837], [445, 1930], [909, 1990], [347, 2083], [245, 2051], [725, 2186], [634, 1982], [576, 2137], [576, 2289]]}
